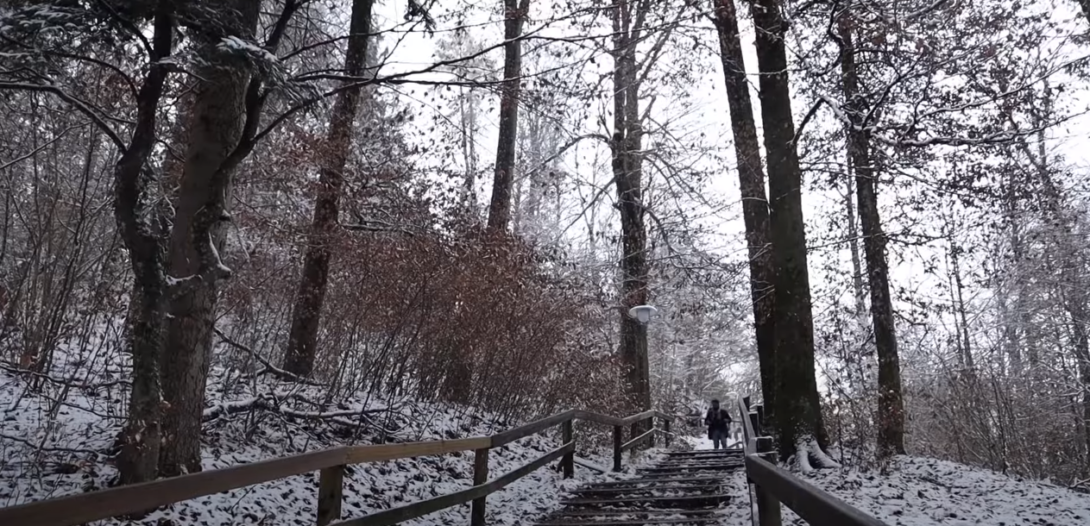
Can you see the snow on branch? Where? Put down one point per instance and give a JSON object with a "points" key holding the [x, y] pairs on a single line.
{"points": [[997, 137]]}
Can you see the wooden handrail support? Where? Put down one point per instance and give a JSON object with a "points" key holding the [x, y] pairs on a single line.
{"points": [[774, 486], [330, 463]]}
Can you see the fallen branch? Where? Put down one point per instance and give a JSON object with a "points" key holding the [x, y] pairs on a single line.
{"points": [[269, 367]]}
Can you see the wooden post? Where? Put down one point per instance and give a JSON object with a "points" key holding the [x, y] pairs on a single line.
{"points": [[480, 476], [666, 427], [330, 494], [651, 437], [764, 449], [768, 507], [745, 401], [568, 462], [760, 416], [618, 431], [755, 421]]}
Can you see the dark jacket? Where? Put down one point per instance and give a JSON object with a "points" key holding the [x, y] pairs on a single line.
{"points": [[717, 419]]}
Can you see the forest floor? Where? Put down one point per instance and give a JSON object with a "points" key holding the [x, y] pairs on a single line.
{"points": [[916, 491], [56, 439]]}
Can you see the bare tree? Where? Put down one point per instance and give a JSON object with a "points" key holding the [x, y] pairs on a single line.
{"points": [[751, 181], [798, 409], [890, 417], [499, 211], [310, 295], [134, 208], [214, 128]]}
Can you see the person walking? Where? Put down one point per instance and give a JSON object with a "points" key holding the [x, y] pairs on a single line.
{"points": [[718, 422]]}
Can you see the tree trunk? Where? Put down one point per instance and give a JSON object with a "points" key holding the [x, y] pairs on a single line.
{"points": [[858, 291], [964, 342], [751, 182], [214, 129], [140, 438], [798, 406], [891, 420], [628, 176], [307, 311], [499, 210]]}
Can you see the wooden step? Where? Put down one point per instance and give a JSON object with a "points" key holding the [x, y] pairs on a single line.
{"points": [[679, 501], [645, 489], [632, 522], [717, 462], [681, 468], [691, 478], [652, 513], [705, 452]]}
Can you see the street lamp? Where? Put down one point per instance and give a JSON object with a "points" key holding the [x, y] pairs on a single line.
{"points": [[642, 313]]}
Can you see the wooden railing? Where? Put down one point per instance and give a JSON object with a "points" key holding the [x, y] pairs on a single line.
{"points": [[772, 486], [126, 500]]}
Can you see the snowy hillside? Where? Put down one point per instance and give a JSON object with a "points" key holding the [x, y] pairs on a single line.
{"points": [[57, 439], [922, 491]]}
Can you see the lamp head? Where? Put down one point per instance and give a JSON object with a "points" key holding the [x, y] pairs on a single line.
{"points": [[642, 313]]}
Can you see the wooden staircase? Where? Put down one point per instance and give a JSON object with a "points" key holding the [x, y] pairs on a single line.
{"points": [[686, 488]]}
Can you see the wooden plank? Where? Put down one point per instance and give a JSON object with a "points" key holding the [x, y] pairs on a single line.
{"points": [[693, 478], [644, 500], [617, 438], [480, 476], [632, 522], [638, 417], [640, 512], [768, 508], [330, 494], [383, 452], [645, 489], [533, 427], [568, 462], [628, 445], [425, 507], [87, 507]]}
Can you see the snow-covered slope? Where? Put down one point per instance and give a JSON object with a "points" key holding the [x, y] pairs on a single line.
{"points": [[918, 491], [55, 440]]}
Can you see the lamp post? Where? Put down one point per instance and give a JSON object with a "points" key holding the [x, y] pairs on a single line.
{"points": [[643, 314]]}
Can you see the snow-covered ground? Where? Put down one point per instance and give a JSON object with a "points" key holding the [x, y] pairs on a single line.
{"points": [[916, 491], [56, 440]]}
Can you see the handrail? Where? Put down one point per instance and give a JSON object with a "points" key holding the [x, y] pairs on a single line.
{"points": [[79, 509], [774, 486]]}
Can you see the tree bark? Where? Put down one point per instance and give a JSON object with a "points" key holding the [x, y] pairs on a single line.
{"points": [[891, 420], [798, 406], [751, 182], [133, 210], [628, 177], [499, 210], [214, 130], [307, 311]]}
